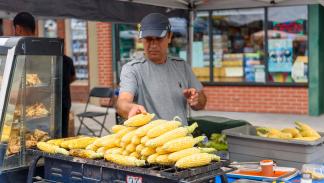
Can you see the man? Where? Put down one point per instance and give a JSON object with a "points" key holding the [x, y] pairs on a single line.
{"points": [[24, 25], [156, 83]]}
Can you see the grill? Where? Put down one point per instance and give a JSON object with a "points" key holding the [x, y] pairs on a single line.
{"points": [[60, 168]]}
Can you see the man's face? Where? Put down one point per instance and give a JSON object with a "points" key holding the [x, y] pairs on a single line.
{"points": [[156, 49]]}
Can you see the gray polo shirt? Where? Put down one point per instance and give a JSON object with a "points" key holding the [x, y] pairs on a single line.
{"points": [[159, 87]]}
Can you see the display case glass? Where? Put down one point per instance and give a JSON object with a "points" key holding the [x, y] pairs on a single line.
{"points": [[30, 96]]}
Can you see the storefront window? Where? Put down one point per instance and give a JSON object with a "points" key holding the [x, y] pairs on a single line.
{"points": [[287, 44], [238, 45], [200, 47]]}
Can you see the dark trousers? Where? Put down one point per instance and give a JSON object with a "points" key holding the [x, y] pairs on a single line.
{"points": [[65, 121]]}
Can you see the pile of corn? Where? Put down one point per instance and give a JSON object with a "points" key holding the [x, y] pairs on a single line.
{"points": [[74, 146], [301, 132], [141, 141]]}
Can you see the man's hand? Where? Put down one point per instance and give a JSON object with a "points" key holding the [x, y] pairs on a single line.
{"points": [[136, 109], [191, 95], [197, 100]]}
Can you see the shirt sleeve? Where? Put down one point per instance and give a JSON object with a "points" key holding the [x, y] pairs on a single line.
{"points": [[193, 81], [128, 80]]}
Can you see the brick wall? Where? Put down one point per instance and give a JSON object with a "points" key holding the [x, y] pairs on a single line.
{"points": [[257, 99], [105, 60]]}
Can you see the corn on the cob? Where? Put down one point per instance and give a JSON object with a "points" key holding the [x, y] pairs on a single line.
{"points": [[117, 128], [130, 148], [123, 132], [170, 135], [136, 140], [50, 148], [125, 153], [160, 150], [144, 158], [139, 148], [187, 152], [124, 160], [127, 138], [164, 160], [306, 130], [92, 147], [293, 131], [182, 143], [135, 154], [59, 141], [106, 141], [147, 151], [81, 143], [196, 160], [163, 128], [139, 120], [123, 145], [115, 150], [83, 153], [117, 142], [65, 144], [144, 140], [152, 158], [141, 131], [101, 150]]}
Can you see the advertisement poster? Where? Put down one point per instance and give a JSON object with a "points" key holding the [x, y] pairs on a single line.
{"points": [[280, 55]]}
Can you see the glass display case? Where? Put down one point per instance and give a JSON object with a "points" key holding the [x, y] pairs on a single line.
{"points": [[30, 96]]}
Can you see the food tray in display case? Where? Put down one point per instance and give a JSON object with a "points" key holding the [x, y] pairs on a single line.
{"points": [[30, 96]]}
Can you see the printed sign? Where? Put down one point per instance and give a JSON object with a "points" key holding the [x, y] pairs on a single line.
{"points": [[280, 55], [134, 179]]}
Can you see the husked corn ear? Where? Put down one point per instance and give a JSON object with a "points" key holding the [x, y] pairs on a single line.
{"points": [[163, 128], [183, 153], [136, 140], [196, 160], [83, 153], [117, 142], [147, 151], [92, 147], [144, 140], [306, 130], [50, 148], [135, 154], [164, 160], [108, 140], [65, 144], [144, 158], [139, 148], [152, 158], [182, 143], [123, 145], [125, 153], [115, 150], [175, 156], [170, 135], [124, 160], [130, 148], [141, 131], [293, 131], [117, 128], [127, 138], [59, 141], [100, 150], [123, 132], [161, 151], [139, 120], [81, 143]]}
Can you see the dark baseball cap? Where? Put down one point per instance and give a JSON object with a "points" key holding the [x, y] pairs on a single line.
{"points": [[155, 25]]}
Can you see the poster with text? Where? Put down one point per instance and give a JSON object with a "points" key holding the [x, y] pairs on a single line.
{"points": [[280, 55]]}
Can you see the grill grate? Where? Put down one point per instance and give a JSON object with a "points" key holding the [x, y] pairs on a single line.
{"points": [[168, 172]]}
